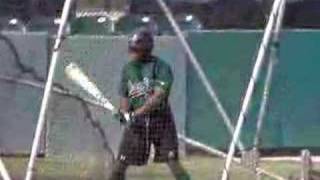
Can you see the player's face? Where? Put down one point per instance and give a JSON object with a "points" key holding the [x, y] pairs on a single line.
{"points": [[135, 55]]}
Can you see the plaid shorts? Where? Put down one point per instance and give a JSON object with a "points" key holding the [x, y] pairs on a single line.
{"points": [[159, 130]]}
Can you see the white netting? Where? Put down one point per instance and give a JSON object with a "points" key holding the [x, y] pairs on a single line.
{"points": [[80, 139]]}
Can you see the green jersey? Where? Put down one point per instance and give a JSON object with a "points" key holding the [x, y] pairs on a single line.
{"points": [[140, 78]]}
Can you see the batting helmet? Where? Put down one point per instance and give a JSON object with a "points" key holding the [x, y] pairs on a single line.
{"points": [[141, 40]]}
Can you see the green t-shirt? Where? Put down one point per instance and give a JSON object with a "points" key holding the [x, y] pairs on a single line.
{"points": [[140, 78]]}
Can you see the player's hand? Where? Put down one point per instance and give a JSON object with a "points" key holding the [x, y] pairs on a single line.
{"points": [[123, 116], [136, 93]]}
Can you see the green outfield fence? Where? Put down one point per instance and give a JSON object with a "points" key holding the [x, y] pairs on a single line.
{"points": [[293, 115], [292, 120]]}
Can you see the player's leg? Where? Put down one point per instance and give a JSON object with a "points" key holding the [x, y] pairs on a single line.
{"points": [[168, 152], [118, 171], [165, 140], [178, 170], [133, 150], [126, 150]]}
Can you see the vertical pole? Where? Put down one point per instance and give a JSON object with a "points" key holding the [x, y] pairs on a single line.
{"points": [[199, 69], [3, 171], [251, 87], [274, 52], [305, 164], [47, 90]]}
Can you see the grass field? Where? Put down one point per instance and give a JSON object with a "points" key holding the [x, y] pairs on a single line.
{"points": [[200, 168]]}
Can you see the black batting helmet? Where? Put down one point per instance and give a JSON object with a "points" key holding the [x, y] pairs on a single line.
{"points": [[141, 40]]}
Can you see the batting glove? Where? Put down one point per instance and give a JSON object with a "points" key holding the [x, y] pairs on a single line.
{"points": [[123, 117]]}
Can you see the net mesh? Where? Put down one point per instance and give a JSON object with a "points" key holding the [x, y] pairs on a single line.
{"points": [[20, 62], [81, 140], [77, 129]]}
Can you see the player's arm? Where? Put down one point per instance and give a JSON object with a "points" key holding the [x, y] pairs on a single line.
{"points": [[163, 82], [124, 91], [124, 98], [124, 104], [151, 103]]}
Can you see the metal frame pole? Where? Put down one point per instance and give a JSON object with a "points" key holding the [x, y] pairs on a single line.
{"points": [[47, 90], [4, 173], [251, 87], [268, 81], [199, 70]]}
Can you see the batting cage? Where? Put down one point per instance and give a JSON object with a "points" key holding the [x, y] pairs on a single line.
{"points": [[116, 96]]}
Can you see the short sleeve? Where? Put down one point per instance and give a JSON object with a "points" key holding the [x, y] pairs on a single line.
{"points": [[164, 77], [123, 86]]}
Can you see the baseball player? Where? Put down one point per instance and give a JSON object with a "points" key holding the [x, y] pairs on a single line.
{"points": [[144, 90]]}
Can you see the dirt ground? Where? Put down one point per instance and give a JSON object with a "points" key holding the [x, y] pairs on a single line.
{"points": [[199, 167]]}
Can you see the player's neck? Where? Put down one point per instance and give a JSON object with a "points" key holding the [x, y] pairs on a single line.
{"points": [[145, 59]]}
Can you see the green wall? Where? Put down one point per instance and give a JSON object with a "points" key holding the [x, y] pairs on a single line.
{"points": [[292, 120], [293, 117], [295, 96]]}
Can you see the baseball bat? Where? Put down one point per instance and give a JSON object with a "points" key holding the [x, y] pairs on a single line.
{"points": [[74, 73]]}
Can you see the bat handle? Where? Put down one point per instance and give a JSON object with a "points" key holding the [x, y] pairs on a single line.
{"points": [[127, 116], [106, 104]]}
